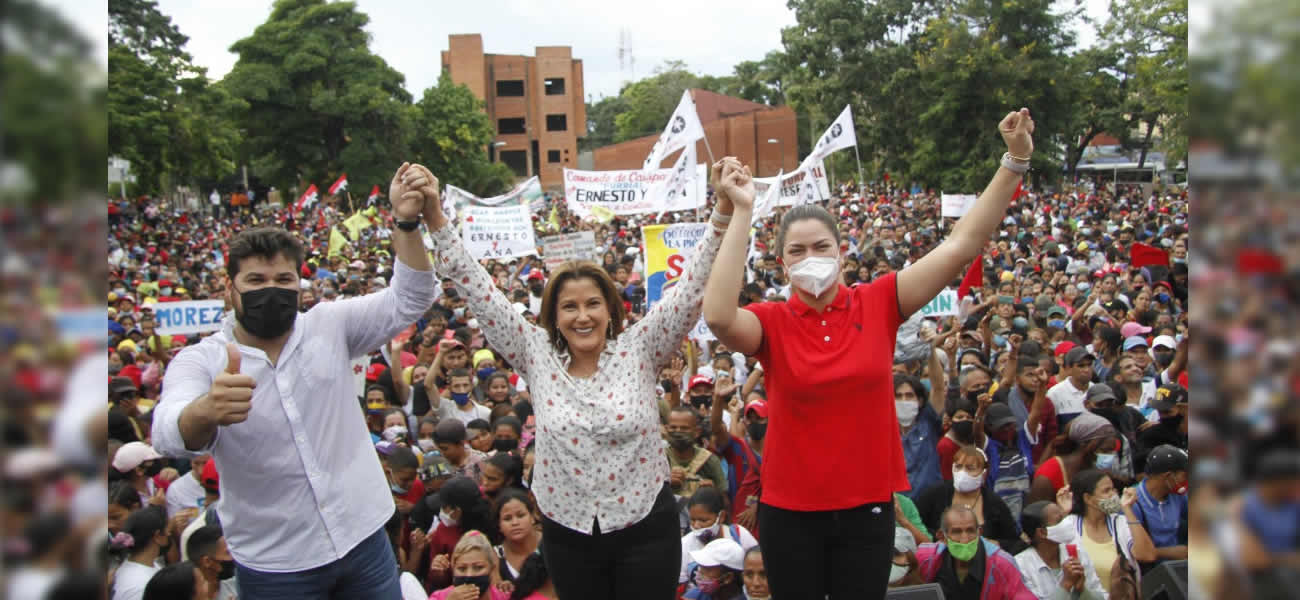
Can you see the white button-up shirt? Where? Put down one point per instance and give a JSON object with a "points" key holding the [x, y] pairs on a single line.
{"points": [[1045, 582], [599, 452], [301, 483]]}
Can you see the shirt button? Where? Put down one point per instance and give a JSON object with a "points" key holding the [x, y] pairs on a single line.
{"points": [[823, 323], [827, 338]]}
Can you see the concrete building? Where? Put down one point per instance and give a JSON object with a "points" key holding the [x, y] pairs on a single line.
{"points": [[535, 103], [764, 137]]}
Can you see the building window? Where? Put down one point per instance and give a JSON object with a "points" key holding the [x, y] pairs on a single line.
{"points": [[505, 126], [552, 156], [510, 87], [517, 160], [554, 86], [557, 123]]}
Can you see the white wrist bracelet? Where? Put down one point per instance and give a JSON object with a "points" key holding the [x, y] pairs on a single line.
{"points": [[720, 218], [1014, 165]]}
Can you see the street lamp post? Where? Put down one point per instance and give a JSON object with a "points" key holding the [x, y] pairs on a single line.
{"points": [[492, 156], [782, 146]]}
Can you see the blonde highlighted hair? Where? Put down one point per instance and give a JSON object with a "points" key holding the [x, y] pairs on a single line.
{"points": [[475, 541]]}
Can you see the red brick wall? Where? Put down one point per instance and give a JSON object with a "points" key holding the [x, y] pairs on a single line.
{"points": [[743, 136]]}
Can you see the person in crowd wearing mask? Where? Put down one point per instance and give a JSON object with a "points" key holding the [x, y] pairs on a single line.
{"points": [[744, 455], [123, 411], [970, 468], [424, 434], [700, 394], [592, 385], [708, 519], [690, 465], [1055, 566], [207, 550], [519, 554], [251, 374], [918, 411], [903, 569], [462, 509], [449, 437], [459, 402], [1069, 394], [718, 572], [967, 566], [1170, 405], [187, 491], [180, 581], [475, 577], [137, 463], [400, 467], [502, 471], [852, 331], [1104, 524], [755, 576], [485, 364], [1102, 401], [1011, 466], [507, 433], [1161, 505], [965, 423], [144, 540], [1088, 444]]}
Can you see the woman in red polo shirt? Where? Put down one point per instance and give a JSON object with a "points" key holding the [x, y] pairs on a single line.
{"points": [[827, 355]]}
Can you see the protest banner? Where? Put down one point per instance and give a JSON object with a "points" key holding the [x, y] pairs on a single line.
{"points": [[189, 316], [528, 193], [77, 325], [943, 305], [556, 249], [498, 231], [956, 205], [667, 250], [701, 334], [627, 192], [792, 183]]}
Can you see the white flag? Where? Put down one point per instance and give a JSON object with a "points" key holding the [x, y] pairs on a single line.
{"points": [[768, 194], [838, 136], [680, 184], [683, 128], [808, 193]]}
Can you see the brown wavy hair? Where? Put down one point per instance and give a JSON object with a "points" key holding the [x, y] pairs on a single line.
{"points": [[573, 271]]}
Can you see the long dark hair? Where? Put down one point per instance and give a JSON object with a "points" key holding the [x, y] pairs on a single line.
{"points": [[172, 582], [532, 574], [1084, 482], [138, 530]]}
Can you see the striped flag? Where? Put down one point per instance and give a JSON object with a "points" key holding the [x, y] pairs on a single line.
{"points": [[340, 185], [374, 196], [307, 199]]}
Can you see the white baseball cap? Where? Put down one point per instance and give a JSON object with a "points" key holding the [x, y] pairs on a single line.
{"points": [[721, 551], [132, 454], [1164, 340]]}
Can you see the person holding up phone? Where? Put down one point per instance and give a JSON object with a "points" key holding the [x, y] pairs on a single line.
{"points": [[1054, 567]]}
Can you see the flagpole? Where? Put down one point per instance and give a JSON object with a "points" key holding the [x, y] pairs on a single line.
{"points": [[706, 135], [859, 159], [348, 193]]}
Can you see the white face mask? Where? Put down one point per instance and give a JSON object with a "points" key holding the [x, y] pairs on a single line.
{"points": [[1061, 533], [815, 274], [446, 519], [710, 532], [897, 573], [907, 411], [965, 482]]}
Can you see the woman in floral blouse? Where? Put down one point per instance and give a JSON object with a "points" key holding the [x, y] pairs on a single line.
{"points": [[609, 523]]}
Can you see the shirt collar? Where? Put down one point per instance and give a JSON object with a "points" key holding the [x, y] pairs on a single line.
{"points": [[841, 301]]}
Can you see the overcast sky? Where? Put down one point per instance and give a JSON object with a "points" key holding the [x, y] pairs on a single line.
{"points": [[711, 37]]}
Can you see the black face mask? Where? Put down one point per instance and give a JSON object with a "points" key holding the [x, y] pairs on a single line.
{"points": [[1164, 359], [680, 440], [1110, 414], [705, 401], [153, 468], [756, 431], [536, 289], [506, 445], [974, 395], [1173, 420], [268, 312], [964, 431], [480, 581], [227, 569]]}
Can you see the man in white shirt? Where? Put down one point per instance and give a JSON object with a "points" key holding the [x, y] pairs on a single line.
{"points": [[215, 200], [1069, 394], [269, 396], [186, 491], [460, 404]]}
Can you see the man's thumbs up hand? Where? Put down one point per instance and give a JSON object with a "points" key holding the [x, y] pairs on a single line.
{"points": [[231, 395]]}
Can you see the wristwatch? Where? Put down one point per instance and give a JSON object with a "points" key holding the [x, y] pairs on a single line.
{"points": [[411, 225]]}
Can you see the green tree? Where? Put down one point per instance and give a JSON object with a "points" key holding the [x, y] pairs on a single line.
{"points": [[164, 115], [650, 101], [1151, 38], [760, 81], [601, 130], [1098, 92], [317, 101], [451, 135]]}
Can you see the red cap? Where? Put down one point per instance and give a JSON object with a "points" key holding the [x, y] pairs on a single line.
{"points": [[375, 370], [210, 478], [1063, 347], [535, 274], [700, 380], [758, 407]]}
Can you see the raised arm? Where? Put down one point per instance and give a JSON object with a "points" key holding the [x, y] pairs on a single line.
{"points": [[739, 329], [506, 330], [722, 392], [921, 282], [938, 383]]}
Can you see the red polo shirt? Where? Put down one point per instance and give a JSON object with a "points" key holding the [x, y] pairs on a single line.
{"points": [[832, 438]]}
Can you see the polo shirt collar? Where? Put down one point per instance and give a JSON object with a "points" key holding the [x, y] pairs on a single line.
{"points": [[841, 301]]}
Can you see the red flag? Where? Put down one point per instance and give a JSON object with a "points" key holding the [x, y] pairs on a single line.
{"points": [[974, 277], [1142, 255], [340, 185], [886, 175], [1020, 191], [374, 195], [1257, 261], [307, 199]]}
